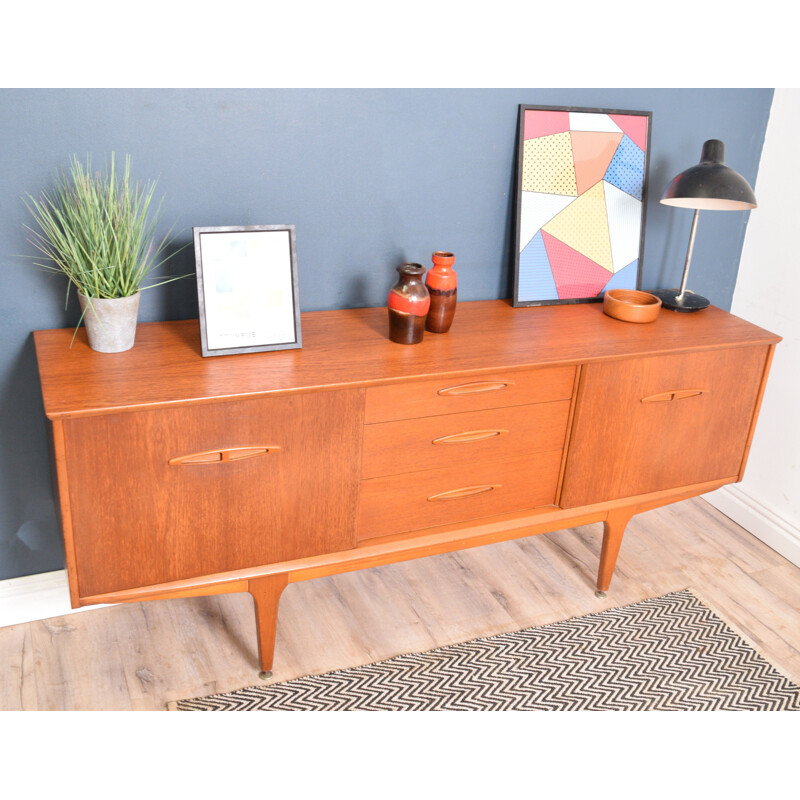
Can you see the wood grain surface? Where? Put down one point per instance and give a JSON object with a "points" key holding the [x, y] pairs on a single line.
{"points": [[497, 434], [458, 394], [136, 519], [623, 446], [412, 544], [165, 365], [460, 492]]}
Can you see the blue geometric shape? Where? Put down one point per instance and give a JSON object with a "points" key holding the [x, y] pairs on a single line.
{"points": [[535, 276], [624, 278], [626, 170]]}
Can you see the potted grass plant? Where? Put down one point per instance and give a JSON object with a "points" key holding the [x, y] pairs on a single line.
{"points": [[98, 230]]}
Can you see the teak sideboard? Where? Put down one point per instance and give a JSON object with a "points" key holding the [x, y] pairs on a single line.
{"points": [[180, 476]]}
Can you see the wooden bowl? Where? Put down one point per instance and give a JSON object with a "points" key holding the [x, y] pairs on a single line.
{"points": [[631, 305]]}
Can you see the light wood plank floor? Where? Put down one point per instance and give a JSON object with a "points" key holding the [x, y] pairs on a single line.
{"points": [[141, 656]]}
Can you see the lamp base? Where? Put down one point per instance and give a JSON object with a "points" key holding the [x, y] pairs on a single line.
{"points": [[689, 302]]}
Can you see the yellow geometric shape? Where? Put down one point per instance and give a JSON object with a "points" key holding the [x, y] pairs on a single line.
{"points": [[547, 165], [583, 225]]}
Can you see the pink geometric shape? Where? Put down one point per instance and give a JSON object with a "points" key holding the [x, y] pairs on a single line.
{"points": [[575, 274], [635, 128], [592, 152], [545, 123]]}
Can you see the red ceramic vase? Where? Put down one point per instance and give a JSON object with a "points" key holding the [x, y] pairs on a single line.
{"points": [[441, 282], [408, 304]]}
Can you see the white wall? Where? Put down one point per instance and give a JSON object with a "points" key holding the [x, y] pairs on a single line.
{"points": [[767, 501]]}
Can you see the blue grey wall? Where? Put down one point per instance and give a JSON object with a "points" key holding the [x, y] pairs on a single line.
{"points": [[371, 178]]}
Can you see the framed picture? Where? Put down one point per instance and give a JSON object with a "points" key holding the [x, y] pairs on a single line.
{"points": [[247, 289], [581, 192]]}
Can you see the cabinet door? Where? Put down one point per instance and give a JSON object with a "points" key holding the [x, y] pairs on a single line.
{"points": [[177, 493], [648, 424]]}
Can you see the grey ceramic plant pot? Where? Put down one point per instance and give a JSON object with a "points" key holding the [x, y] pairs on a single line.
{"points": [[110, 324]]}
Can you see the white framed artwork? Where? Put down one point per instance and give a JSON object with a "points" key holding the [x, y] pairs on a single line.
{"points": [[247, 289]]}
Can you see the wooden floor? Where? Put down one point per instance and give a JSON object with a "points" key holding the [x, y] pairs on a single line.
{"points": [[143, 655]]}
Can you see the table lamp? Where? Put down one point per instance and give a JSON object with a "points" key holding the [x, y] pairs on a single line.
{"points": [[710, 185]]}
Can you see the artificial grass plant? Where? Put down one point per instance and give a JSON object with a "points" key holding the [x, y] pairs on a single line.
{"points": [[98, 230]]}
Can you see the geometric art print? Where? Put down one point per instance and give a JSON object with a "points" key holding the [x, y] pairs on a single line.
{"points": [[581, 196]]}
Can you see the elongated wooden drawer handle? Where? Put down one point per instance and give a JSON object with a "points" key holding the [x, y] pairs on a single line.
{"points": [[476, 388], [466, 491], [468, 436], [677, 394], [222, 456]]}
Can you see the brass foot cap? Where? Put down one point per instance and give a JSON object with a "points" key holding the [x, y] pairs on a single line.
{"points": [[598, 593], [265, 676]]}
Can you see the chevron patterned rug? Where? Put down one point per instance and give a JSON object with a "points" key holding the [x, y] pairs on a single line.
{"points": [[668, 653]]}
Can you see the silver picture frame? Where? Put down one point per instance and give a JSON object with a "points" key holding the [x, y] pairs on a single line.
{"points": [[247, 288]]}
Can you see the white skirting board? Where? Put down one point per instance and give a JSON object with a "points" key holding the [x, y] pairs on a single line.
{"points": [[780, 534], [35, 597]]}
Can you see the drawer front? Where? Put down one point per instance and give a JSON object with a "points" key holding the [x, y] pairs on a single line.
{"points": [[497, 434], [456, 494], [643, 425], [175, 493], [458, 394]]}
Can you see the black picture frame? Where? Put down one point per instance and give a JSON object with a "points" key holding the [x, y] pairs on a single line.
{"points": [[247, 288], [551, 269]]}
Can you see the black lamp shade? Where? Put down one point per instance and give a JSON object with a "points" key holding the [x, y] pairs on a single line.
{"points": [[710, 184]]}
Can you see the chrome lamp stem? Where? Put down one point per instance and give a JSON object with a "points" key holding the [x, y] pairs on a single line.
{"points": [[679, 298]]}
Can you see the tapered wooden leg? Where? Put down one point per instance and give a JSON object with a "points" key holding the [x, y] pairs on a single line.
{"points": [[613, 528], [266, 593]]}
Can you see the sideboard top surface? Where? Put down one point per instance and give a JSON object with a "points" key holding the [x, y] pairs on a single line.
{"points": [[350, 348]]}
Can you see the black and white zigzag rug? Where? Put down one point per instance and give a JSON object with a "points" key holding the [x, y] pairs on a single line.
{"points": [[668, 653]]}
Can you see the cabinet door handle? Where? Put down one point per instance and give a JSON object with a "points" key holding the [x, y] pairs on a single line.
{"points": [[675, 394], [468, 436], [475, 388], [224, 455], [466, 491]]}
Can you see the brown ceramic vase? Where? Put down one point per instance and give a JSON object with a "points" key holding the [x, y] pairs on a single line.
{"points": [[441, 282], [408, 304]]}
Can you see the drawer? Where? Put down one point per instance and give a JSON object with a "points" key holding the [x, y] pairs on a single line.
{"points": [[496, 434], [457, 394], [456, 494]]}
